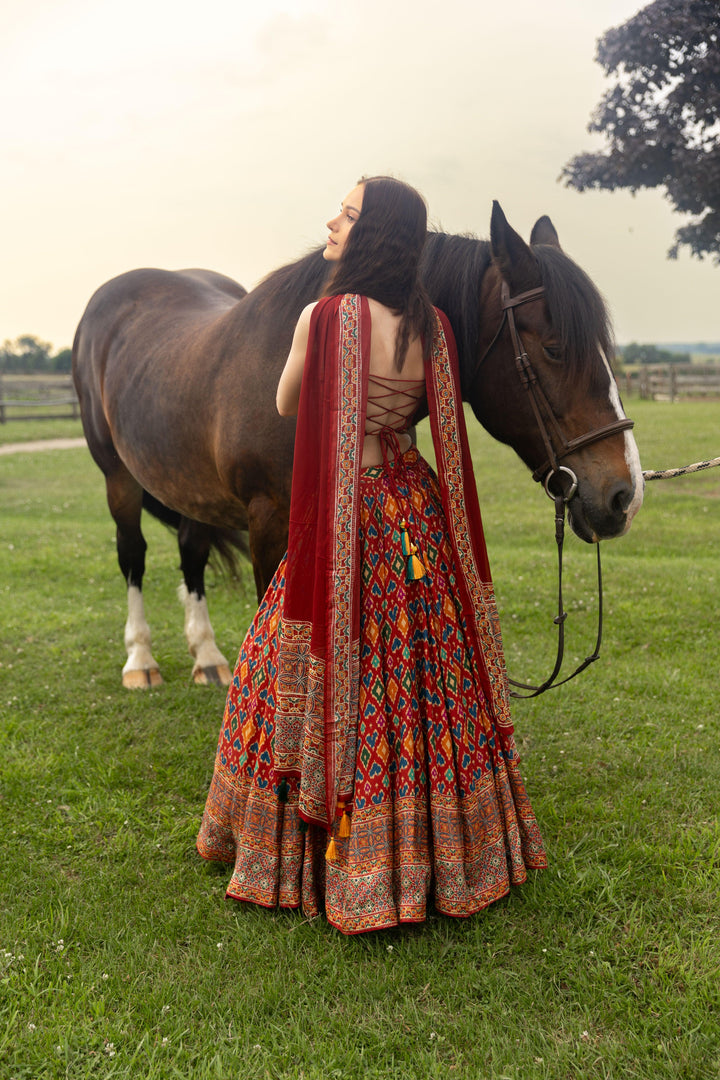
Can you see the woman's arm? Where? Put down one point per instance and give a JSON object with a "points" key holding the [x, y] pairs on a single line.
{"points": [[288, 391]]}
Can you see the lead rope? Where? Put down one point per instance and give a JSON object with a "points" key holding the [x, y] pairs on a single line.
{"points": [[667, 474]]}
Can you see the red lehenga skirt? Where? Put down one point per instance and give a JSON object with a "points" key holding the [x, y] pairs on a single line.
{"points": [[439, 807]]}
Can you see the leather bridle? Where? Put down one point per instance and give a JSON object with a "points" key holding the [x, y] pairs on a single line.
{"points": [[557, 447]]}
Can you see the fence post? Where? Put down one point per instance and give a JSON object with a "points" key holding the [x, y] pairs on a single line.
{"points": [[644, 384], [2, 402], [673, 382]]}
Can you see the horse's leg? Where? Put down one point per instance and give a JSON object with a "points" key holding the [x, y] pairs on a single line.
{"points": [[210, 664], [267, 539], [124, 496]]}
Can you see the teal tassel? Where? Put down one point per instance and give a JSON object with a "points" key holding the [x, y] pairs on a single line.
{"points": [[405, 539], [414, 567], [283, 791]]}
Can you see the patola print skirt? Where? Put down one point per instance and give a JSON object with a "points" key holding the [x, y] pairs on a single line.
{"points": [[439, 811]]}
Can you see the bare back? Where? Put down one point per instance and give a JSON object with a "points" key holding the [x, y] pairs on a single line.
{"points": [[393, 395]]}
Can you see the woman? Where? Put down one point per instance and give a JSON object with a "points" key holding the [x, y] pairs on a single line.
{"points": [[366, 759]]}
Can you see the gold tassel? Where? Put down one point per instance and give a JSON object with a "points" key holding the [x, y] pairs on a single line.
{"points": [[344, 830], [331, 853], [415, 568]]}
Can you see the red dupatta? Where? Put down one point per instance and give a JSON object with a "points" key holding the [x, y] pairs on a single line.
{"points": [[317, 683]]}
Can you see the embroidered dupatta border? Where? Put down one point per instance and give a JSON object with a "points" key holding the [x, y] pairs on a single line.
{"points": [[319, 652], [462, 512], [342, 682]]}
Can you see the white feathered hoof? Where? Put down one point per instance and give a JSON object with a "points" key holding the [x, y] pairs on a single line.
{"points": [[212, 675], [143, 679]]}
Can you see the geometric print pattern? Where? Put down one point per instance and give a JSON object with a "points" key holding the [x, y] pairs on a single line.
{"points": [[438, 807]]}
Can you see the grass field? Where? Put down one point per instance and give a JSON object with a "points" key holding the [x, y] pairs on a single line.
{"points": [[21, 430], [120, 957]]}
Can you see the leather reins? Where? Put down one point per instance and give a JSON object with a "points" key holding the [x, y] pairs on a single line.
{"points": [[555, 451]]}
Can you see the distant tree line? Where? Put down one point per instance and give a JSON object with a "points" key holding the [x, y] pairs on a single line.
{"points": [[650, 354], [28, 355]]}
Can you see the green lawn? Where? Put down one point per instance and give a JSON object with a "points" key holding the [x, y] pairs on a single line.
{"points": [[120, 957], [15, 431]]}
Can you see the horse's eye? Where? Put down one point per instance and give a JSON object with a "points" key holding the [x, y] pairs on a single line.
{"points": [[552, 352]]}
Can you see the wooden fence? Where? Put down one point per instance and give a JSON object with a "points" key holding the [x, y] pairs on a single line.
{"points": [[670, 382], [47, 397], [40, 398]]}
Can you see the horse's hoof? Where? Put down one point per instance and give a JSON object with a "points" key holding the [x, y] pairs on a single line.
{"points": [[213, 674], [142, 679]]}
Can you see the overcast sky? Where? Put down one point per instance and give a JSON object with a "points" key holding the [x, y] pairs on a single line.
{"points": [[224, 133]]}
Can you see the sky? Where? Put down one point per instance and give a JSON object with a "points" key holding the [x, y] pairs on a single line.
{"points": [[225, 133]]}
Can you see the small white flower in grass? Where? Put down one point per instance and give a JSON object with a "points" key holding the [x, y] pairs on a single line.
{"points": [[585, 1036], [165, 1041], [105, 976], [592, 952], [257, 1046], [219, 944], [58, 1049], [544, 950], [165, 1009], [31, 1027], [433, 1035]]}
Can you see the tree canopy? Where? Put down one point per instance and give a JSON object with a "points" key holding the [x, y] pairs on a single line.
{"points": [[661, 115], [28, 354], [651, 354]]}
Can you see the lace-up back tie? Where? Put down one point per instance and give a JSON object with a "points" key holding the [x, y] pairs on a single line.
{"points": [[381, 415], [396, 421]]}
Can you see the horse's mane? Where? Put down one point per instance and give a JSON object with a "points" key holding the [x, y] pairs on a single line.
{"points": [[577, 310], [452, 269], [288, 290]]}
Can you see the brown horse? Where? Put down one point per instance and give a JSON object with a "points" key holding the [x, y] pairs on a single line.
{"points": [[176, 375]]}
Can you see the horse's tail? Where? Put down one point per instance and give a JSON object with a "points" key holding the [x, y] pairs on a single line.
{"points": [[225, 544]]}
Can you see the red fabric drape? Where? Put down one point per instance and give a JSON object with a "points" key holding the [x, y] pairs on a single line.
{"points": [[316, 718]]}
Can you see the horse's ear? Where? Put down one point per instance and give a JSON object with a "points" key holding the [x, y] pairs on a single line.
{"points": [[514, 258], [544, 232]]}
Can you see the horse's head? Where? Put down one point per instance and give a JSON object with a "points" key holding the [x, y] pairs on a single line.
{"points": [[559, 406]]}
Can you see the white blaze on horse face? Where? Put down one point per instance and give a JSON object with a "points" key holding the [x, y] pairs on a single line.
{"points": [[137, 635], [632, 454]]}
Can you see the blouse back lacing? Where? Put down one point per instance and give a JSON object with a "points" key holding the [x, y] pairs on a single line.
{"points": [[395, 418]]}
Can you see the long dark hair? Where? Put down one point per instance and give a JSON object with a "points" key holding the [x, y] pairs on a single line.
{"points": [[381, 258]]}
